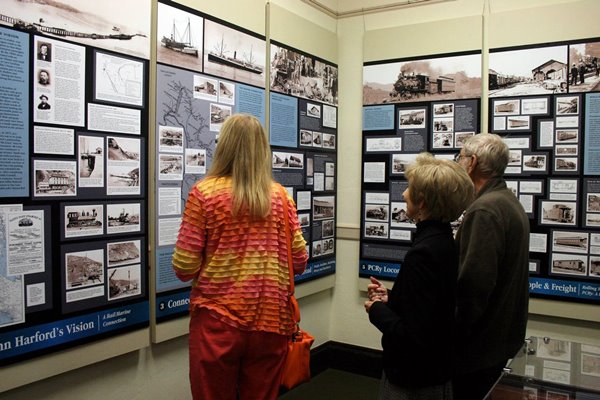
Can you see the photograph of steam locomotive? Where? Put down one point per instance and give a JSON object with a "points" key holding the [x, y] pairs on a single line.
{"points": [[436, 78], [84, 220]]}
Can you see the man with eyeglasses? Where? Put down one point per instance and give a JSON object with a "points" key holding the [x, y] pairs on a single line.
{"points": [[493, 290]]}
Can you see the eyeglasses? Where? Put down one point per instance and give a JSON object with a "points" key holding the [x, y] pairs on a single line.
{"points": [[458, 157]]}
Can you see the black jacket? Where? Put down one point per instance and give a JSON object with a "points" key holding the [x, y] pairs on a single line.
{"points": [[418, 321]]}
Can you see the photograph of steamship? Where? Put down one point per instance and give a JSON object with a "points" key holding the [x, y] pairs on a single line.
{"points": [[84, 220], [93, 23], [570, 242], [436, 78], [124, 282], [84, 268], [179, 38], [569, 264], [303, 76], [233, 54]]}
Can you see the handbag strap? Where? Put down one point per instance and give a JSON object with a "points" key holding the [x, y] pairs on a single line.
{"points": [[286, 217]]}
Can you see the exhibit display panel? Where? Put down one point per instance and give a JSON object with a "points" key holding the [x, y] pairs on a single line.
{"points": [[543, 101], [547, 368], [73, 168], [410, 106], [209, 69]]}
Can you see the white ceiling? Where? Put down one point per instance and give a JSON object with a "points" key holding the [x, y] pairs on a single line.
{"points": [[350, 8]]}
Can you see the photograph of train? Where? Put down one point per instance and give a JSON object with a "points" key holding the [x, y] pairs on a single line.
{"points": [[440, 78]]}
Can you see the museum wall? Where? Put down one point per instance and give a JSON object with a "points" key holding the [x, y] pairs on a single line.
{"points": [[332, 307]]}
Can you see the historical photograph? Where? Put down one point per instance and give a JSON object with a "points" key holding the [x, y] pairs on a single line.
{"points": [[442, 140], [590, 364], [91, 161], [329, 169], [170, 139], [539, 70], [317, 248], [179, 37], [84, 268], [534, 163], [304, 219], [305, 137], [328, 141], [506, 107], [565, 164], [383, 144], [514, 158], [567, 105], [170, 167], [443, 125], [376, 230], [54, 178], [83, 220], [566, 150], [377, 212], [205, 88], [594, 267], [518, 122], [327, 228], [123, 217], [554, 349], [226, 92], [233, 54], [288, 160], [91, 23], [443, 110], [401, 161], [313, 110], [123, 253], [195, 161], [570, 242], [317, 139], [411, 118], [558, 213], [328, 246], [303, 76], [218, 115], [399, 217], [124, 281], [461, 137], [593, 202], [439, 78], [585, 67], [568, 264], [329, 183], [323, 207], [567, 135], [567, 121], [563, 186]]}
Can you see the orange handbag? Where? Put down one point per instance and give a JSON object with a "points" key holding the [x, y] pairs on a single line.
{"points": [[296, 368]]}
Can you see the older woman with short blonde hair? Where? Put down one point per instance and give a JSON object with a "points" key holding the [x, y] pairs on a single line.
{"points": [[416, 317]]}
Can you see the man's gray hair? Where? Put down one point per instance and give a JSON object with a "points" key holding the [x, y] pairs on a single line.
{"points": [[491, 151]]}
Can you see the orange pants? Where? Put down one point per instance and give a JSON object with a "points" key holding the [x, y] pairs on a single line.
{"points": [[225, 361]]}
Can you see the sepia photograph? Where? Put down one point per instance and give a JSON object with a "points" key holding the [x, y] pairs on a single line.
{"points": [[593, 202], [531, 71], [124, 282], [54, 178], [323, 207], [84, 268], [594, 267], [565, 164], [399, 217], [313, 110], [506, 107], [123, 253], [170, 167], [305, 137], [328, 141], [226, 92], [327, 228], [288, 160], [534, 163], [411, 118], [570, 242], [233, 54], [443, 125], [83, 220], [585, 65], [218, 115], [317, 139], [558, 213], [170, 139], [195, 161], [205, 88], [91, 161], [567, 105], [443, 110], [179, 37], [568, 264], [401, 161], [442, 140], [377, 212], [304, 219], [567, 135], [461, 137], [123, 217], [519, 122], [427, 79], [566, 150], [123, 149], [302, 76], [376, 230]]}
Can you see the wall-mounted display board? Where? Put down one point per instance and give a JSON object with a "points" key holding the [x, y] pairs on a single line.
{"points": [[303, 136], [543, 102], [209, 69], [410, 106], [73, 173]]}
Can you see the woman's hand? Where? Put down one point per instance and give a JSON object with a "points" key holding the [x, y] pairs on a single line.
{"points": [[376, 291]]}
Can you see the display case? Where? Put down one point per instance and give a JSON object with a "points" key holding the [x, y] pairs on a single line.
{"points": [[547, 368]]}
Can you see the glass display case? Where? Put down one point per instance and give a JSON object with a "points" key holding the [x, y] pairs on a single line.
{"points": [[551, 369]]}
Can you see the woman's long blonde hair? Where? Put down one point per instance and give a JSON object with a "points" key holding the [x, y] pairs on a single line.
{"points": [[244, 154]]}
